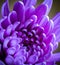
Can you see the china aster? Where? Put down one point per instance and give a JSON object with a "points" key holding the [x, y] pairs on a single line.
{"points": [[27, 35]]}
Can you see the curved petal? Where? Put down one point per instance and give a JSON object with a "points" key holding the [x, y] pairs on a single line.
{"points": [[49, 3], [8, 31], [20, 9], [49, 38], [47, 24], [56, 29], [43, 63], [1, 35], [29, 2], [57, 33], [5, 44], [44, 20], [29, 12], [0, 48], [5, 9], [55, 46], [34, 18], [9, 60], [58, 14], [54, 57], [1, 63], [50, 63], [5, 22], [34, 58], [42, 10], [12, 16], [56, 19]]}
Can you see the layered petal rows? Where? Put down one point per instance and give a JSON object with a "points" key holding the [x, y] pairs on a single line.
{"points": [[27, 35]]}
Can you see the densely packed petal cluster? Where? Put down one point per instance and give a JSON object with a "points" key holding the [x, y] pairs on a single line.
{"points": [[27, 35]]}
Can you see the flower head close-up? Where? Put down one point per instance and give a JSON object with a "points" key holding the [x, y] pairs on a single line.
{"points": [[27, 35]]}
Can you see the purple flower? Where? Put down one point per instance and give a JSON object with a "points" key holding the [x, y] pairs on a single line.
{"points": [[27, 35]]}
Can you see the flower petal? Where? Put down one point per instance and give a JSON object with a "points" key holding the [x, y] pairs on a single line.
{"points": [[8, 31], [29, 11], [34, 58], [9, 60], [20, 9], [56, 29], [49, 38], [43, 63], [34, 17], [50, 63], [11, 51], [5, 9], [42, 10], [1, 63], [44, 20], [5, 44], [1, 35], [12, 16], [5, 22], [47, 24], [29, 2], [54, 57], [56, 19], [55, 46], [49, 3]]}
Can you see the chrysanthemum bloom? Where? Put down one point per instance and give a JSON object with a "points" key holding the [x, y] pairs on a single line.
{"points": [[27, 35]]}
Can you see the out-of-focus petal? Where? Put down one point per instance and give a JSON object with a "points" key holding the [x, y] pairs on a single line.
{"points": [[1, 63], [34, 58], [56, 19], [55, 46], [56, 29], [29, 2], [42, 10], [57, 33], [20, 9], [9, 60], [5, 9], [43, 63], [50, 63], [1, 35], [55, 57], [49, 4]]}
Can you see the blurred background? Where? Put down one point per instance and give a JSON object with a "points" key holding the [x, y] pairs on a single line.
{"points": [[54, 10]]}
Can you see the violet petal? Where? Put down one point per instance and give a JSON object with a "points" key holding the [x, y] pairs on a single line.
{"points": [[54, 57], [5, 22], [5, 9], [29, 2], [9, 60], [42, 10], [20, 9], [12, 16], [56, 19], [1, 63], [49, 3], [29, 11]]}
